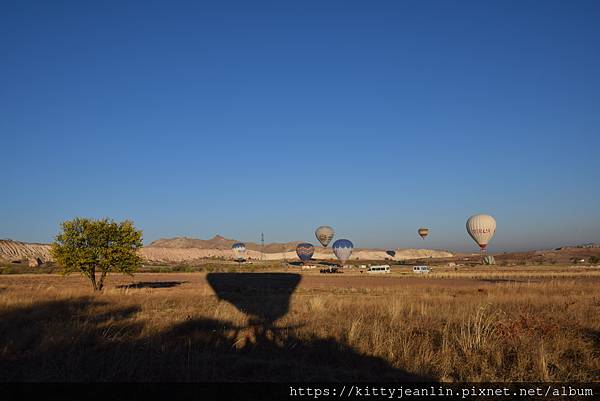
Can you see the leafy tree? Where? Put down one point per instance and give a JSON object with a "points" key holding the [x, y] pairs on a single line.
{"points": [[593, 260], [97, 246]]}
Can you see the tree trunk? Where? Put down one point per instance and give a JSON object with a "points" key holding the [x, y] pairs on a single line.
{"points": [[101, 282], [92, 277]]}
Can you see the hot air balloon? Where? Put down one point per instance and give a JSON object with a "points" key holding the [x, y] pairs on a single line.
{"points": [[305, 251], [343, 249], [481, 227], [423, 232], [324, 235], [239, 251]]}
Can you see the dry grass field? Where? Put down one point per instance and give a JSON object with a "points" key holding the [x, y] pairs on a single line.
{"points": [[479, 324]]}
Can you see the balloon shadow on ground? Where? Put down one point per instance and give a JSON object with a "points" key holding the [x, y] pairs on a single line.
{"points": [[86, 339], [313, 262], [263, 297], [152, 284], [326, 263]]}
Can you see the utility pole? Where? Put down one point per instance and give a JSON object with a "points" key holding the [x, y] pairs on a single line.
{"points": [[262, 246]]}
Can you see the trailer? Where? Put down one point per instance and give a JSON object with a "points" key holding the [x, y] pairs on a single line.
{"points": [[422, 269], [379, 269]]}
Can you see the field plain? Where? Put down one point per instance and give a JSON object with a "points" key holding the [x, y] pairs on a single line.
{"points": [[530, 323]]}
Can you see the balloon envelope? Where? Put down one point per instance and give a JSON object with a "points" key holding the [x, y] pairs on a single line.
{"points": [[343, 249], [423, 232], [324, 234], [481, 227], [239, 250], [305, 251]]}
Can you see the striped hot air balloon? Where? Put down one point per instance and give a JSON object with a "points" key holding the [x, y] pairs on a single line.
{"points": [[239, 251], [481, 227], [324, 234], [423, 232], [305, 251], [343, 249]]}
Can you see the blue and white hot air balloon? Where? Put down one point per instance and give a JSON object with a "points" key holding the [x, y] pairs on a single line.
{"points": [[343, 249], [305, 251], [239, 251]]}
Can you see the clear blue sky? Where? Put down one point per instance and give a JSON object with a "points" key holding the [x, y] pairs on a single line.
{"points": [[234, 118]]}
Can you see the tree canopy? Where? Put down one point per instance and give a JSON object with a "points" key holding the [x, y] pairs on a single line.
{"points": [[97, 246]]}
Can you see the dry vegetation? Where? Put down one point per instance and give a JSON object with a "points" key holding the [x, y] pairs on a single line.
{"points": [[477, 325]]}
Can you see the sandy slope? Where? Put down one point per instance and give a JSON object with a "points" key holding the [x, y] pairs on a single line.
{"points": [[15, 250], [158, 254], [183, 250]]}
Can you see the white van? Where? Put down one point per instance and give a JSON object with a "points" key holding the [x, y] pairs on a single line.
{"points": [[420, 269], [379, 269]]}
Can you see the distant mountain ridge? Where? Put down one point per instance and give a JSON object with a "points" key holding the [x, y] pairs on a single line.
{"points": [[180, 249], [221, 243], [183, 249]]}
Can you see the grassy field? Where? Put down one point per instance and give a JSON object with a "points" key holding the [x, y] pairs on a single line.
{"points": [[478, 324]]}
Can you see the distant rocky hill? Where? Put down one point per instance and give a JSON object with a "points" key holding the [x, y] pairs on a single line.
{"points": [[182, 249], [178, 255], [220, 243], [14, 250], [584, 246]]}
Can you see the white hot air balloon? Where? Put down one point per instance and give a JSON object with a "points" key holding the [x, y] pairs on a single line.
{"points": [[324, 234], [481, 227], [239, 251]]}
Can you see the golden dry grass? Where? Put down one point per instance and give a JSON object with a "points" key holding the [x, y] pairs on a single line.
{"points": [[467, 326]]}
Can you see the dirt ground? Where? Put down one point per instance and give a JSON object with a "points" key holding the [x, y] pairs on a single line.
{"points": [[473, 324], [310, 280], [197, 281]]}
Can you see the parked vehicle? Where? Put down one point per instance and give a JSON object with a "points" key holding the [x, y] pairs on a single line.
{"points": [[379, 269], [422, 269], [331, 270]]}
